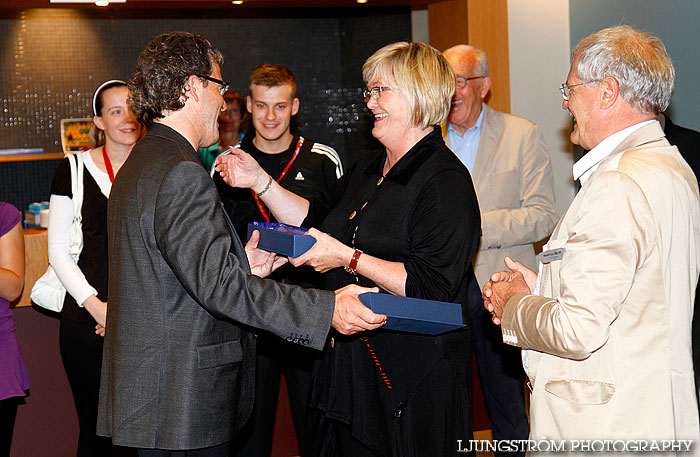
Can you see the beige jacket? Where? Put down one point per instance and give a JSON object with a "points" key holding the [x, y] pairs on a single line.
{"points": [[513, 182], [609, 353]]}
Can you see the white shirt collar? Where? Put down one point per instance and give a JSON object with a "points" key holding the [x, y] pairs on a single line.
{"points": [[590, 162]]}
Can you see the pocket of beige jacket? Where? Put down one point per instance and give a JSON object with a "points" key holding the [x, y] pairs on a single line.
{"points": [[581, 391]]}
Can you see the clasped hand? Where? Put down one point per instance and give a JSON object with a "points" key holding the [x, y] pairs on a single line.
{"points": [[504, 284]]}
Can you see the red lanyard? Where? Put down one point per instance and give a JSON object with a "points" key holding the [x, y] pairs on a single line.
{"points": [[108, 164], [258, 201]]}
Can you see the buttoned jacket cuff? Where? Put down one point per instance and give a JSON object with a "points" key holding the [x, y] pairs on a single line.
{"points": [[508, 320]]}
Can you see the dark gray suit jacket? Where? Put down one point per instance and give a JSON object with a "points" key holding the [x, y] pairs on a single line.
{"points": [[178, 369]]}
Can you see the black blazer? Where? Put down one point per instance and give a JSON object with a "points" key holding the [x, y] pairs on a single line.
{"points": [[688, 143], [686, 140], [178, 369]]}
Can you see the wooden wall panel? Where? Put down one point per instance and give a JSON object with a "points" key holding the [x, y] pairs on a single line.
{"points": [[36, 259], [488, 30], [447, 23], [481, 23]]}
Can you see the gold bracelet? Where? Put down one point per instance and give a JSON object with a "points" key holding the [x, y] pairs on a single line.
{"points": [[269, 183]]}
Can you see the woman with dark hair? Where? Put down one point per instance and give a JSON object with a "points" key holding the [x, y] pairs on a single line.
{"points": [[85, 307], [405, 219], [232, 120], [232, 127]]}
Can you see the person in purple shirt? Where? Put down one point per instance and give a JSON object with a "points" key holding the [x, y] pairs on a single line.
{"points": [[13, 373]]}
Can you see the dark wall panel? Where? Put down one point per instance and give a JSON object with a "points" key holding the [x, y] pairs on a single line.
{"points": [[51, 61]]}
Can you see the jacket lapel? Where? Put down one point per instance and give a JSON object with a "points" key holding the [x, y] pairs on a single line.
{"points": [[488, 141], [237, 244]]}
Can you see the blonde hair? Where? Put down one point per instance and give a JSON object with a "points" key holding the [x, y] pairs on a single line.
{"points": [[423, 76]]}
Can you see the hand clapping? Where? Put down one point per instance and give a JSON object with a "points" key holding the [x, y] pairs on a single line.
{"points": [[504, 284]]}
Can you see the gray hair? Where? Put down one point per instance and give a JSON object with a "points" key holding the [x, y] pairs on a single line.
{"points": [[481, 63], [637, 60]]}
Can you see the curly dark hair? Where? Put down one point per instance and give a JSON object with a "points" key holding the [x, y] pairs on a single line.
{"points": [[162, 70]]}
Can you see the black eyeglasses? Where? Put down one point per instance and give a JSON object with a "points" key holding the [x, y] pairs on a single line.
{"points": [[461, 82], [224, 85]]}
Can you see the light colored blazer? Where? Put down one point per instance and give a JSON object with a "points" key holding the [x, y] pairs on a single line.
{"points": [[513, 182], [610, 353]]}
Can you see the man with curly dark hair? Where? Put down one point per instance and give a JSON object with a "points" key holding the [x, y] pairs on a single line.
{"points": [[158, 85], [178, 368]]}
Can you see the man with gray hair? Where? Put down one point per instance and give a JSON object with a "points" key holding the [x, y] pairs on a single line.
{"points": [[512, 176], [606, 322]]}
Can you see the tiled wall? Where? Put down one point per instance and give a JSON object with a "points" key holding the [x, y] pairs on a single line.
{"points": [[51, 61]]}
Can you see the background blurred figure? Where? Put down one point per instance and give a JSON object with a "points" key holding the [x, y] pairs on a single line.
{"points": [[405, 219], [116, 131], [233, 120], [512, 175], [308, 169], [232, 126], [13, 373]]}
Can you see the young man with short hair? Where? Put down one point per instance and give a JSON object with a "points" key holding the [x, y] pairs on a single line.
{"points": [[307, 169]]}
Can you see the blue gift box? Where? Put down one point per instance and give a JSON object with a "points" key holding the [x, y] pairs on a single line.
{"points": [[283, 239], [414, 315]]}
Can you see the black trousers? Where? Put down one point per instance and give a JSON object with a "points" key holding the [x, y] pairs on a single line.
{"points": [[695, 342], [273, 355], [222, 450], [500, 371], [8, 412], [81, 351]]}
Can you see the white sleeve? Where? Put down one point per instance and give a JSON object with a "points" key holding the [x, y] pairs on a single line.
{"points": [[60, 221]]}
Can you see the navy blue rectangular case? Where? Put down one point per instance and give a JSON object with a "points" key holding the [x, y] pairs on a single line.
{"points": [[414, 315], [283, 239]]}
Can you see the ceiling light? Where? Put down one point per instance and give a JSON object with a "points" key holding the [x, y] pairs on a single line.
{"points": [[237, 2], [102, 3], [87, 1], [361, 1]]}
